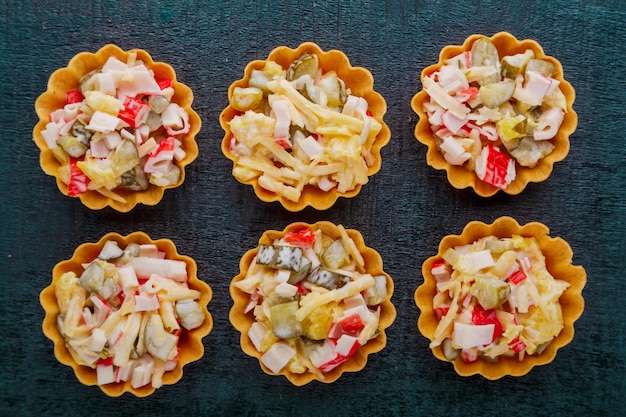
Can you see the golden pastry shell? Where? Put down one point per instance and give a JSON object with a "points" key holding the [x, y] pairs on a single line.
{"points": [[66, 79], [190, 343], [373, 266], [558, 255], [361, 83], [458, 176]]}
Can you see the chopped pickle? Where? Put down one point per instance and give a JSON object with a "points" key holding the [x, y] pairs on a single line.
{"points": [[333, 88], [490, 291], [335, 256], [259, 79], [280, 257], [328, 279], [81, 132], [530, 151], [92, 277], [513, 65], [124, 158], [132, 250], [283, 320], [135, 179], [511, 129], [484, 53], [555, 99], [158, 103], [498, 245], [72, 146], [495, 94], [312, 93], [306, 64], [110, 250], [244, 99], [305, 268], [153, 121], [115, 117], [541, 66], [448, 350], [275, 298]]}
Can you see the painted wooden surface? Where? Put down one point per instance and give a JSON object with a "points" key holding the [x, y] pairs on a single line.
{"points": [[402, 212]]}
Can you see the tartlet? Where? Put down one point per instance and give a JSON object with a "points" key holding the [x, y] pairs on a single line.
{"points": [[358, 82], [190, 347], [460, 176], [316, 331], [558, 262], [68, 79]]}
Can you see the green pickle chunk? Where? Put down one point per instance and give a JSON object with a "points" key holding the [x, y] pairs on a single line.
{"points": [[490, 291], [307, 64], [511, 129], [495, 94], [541, 66], [248, 98], [335, 256], [485, 54], [513, 65], [125, 157], [283, 319]]}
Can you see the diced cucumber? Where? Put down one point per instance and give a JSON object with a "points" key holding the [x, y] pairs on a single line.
{"points": [[135, 179], [448, 350], [92, 277], [283, 319], [280, 257], [511, 129], [484, 53], [336, 255], [72, 146], [495, 94], [490, 291], [244, 99], [80, 132], [333, 88], [124, 158], [305, 268], [110, 250], [530, 151], [307, 64], [513, 65], [541, 66], [327, 279]]}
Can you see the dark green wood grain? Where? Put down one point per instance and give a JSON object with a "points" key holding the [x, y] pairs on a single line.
{"points": [[403, 212]]}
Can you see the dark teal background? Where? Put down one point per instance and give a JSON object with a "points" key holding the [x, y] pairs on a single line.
{"points": [[403, 212]]}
